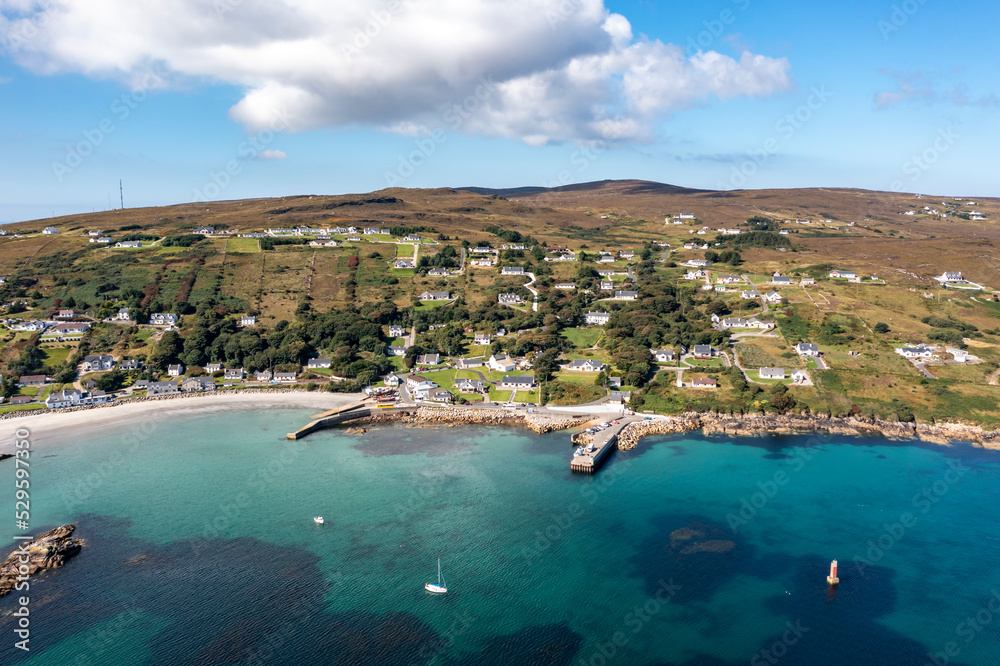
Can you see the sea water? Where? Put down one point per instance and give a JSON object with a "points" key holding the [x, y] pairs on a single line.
{"points": [[201, 548]]}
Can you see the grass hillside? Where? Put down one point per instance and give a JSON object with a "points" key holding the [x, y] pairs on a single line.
{"points": [[310, 300]]}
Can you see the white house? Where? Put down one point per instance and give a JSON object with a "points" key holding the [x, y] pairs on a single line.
{"points": [[429, 359], [470, 385], [129, 244], [509, 299], [412, 238], [773, 297], [807, 280], [607, 286], [807, 349], [391, 379], [626, 295], [522, 382], [800, 376], [97, 363], [961, 356], [163, 319], [435, 296], [703, 351], [585, 365], [772, 373], [396, 331], [248, 320], [564, 285], [123, 314], [213, 367], [501, 363], [319, 363], [747, 295], [597, 318], [234, 373], [403, 264], [915, 352], [842, 274], [264, 375], [175, 370], [161, 388], [663, 355], [780, 279], [950, 276], [699, 263], [397, 351], [482, 339], [511, 270], [285, 376], [50, 230]]}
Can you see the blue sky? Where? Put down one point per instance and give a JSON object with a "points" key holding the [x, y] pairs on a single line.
{"points": [[850, 94]]}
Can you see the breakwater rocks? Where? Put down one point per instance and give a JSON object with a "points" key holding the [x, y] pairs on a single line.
{"points": [[48, 551], [539, 423], [751, 425]]}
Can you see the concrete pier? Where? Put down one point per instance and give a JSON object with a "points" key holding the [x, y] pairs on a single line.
{"points": [[593, 454], [357, 410]]}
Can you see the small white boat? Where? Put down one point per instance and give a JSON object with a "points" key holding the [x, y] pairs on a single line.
{"points": [[318, 520], [440, 588]]}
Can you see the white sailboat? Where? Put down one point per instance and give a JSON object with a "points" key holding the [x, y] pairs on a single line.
{"points": [[440, 588], [318, 520]]}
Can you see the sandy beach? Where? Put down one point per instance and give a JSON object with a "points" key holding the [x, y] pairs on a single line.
{"points": [[48, 425]]}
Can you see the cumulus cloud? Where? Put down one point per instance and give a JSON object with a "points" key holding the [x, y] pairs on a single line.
{"points": [[271, 154], [923, 88], [537, 70]]}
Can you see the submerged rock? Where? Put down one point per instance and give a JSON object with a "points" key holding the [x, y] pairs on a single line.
{"points": [[48, 551]]}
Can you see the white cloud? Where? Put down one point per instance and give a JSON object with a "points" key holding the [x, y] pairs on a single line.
{"points": [[538, 70], [924, 88], [271, 154]]}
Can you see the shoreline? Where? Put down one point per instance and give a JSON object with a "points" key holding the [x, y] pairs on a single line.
{"points": [[46, 424]]}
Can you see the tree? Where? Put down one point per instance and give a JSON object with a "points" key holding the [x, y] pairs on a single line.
{"points": [[166, 350], [111, 381], [882, 327], [8, 387], [780, 399], [601, 379]]}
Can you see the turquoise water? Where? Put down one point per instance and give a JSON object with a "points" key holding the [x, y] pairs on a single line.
{"points": [[201, 549]]}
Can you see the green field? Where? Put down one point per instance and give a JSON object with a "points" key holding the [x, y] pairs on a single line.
{"points": [[583, 338], [243, 246]]}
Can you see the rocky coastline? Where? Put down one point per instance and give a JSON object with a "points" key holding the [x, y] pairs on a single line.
{"points": [[454, 416], [48, 551], [756, 425], [735, 425]]}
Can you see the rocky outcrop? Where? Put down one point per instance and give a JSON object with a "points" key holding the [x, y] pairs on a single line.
{"points": [[539, 423], [48, 551], [753, 425]]}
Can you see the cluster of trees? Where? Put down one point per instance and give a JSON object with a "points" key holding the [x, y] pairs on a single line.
{"points": [[757, 239], [183, 240], [446, 258], [731, 257]]}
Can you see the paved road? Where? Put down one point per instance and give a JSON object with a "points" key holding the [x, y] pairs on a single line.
{"points": [[753, 287], [534, 303]]}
